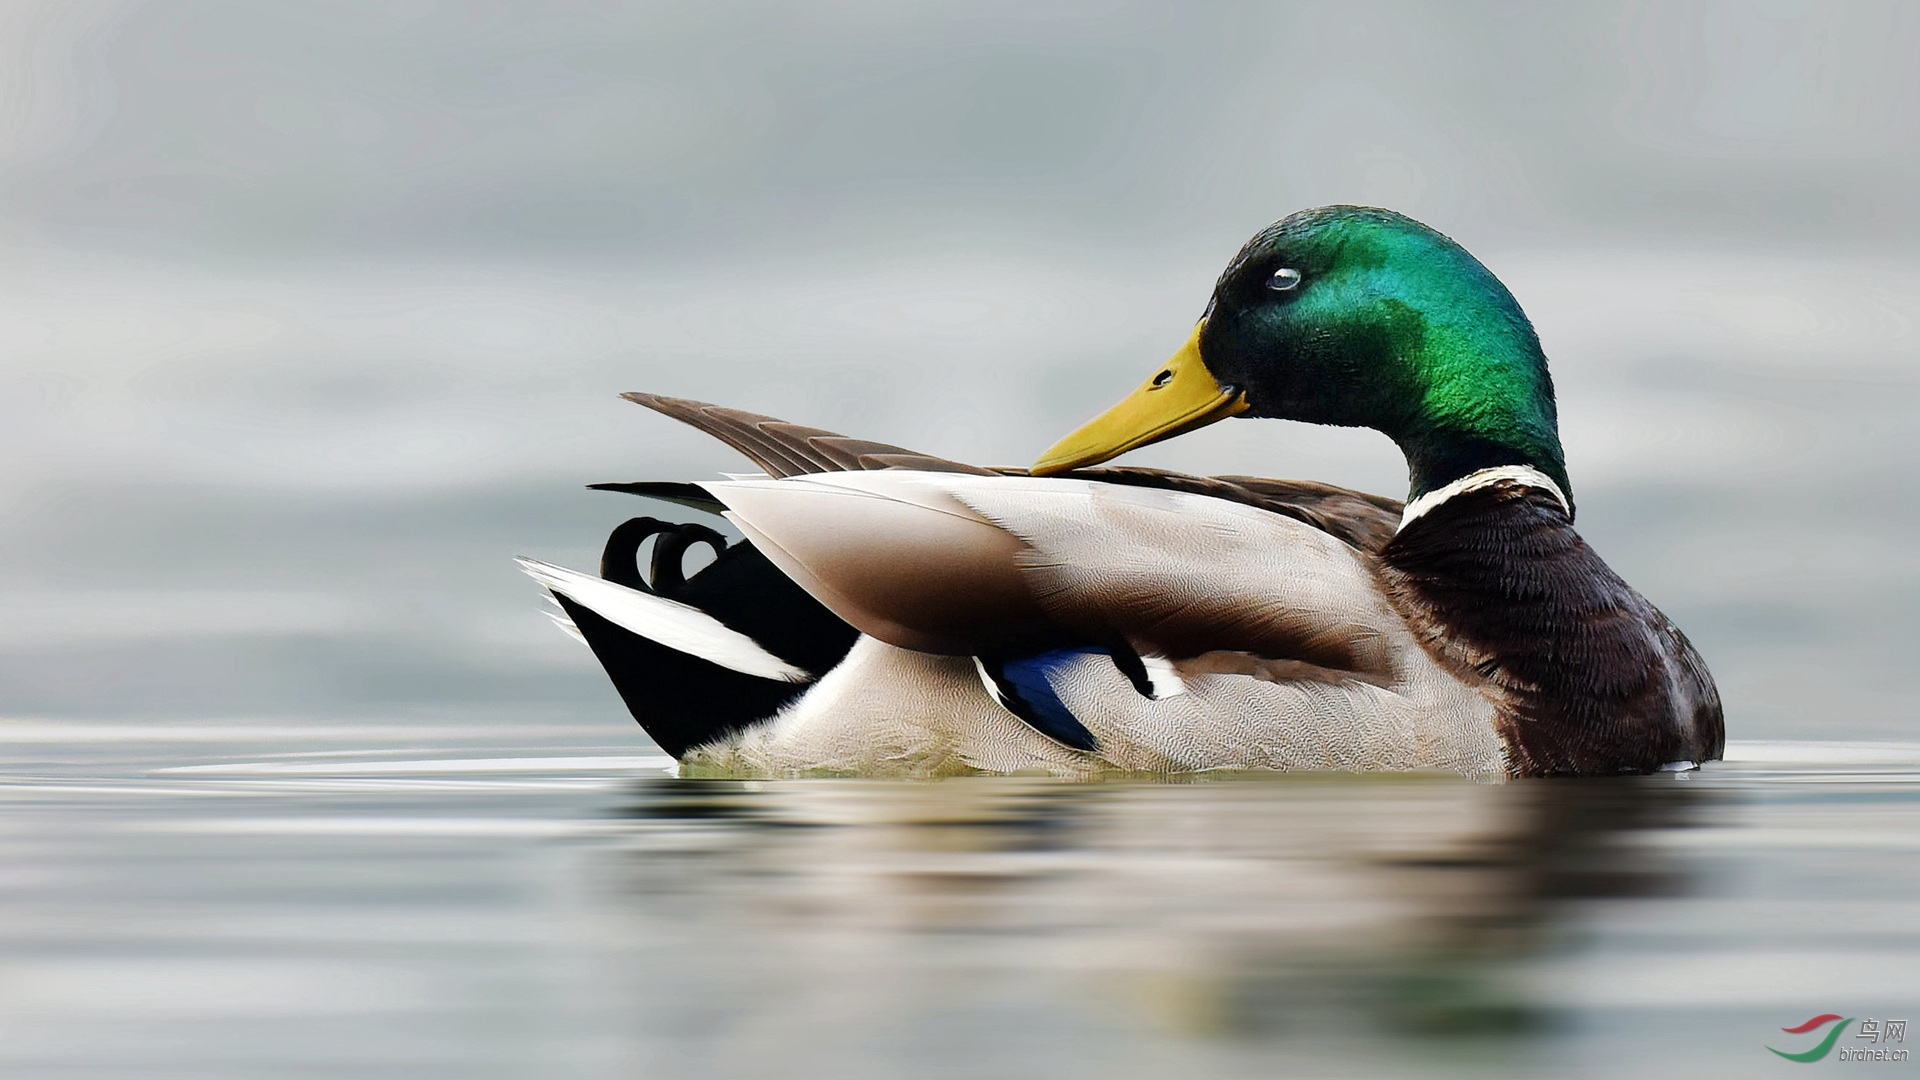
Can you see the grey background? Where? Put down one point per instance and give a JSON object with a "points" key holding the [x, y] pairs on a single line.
{"points": [[313, 314]]}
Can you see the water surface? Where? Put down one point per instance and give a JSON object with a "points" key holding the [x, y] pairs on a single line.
{"points": [[419, 900]]}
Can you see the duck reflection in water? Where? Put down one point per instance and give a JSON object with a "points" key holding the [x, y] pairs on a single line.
{"points": [[1009, 922]]}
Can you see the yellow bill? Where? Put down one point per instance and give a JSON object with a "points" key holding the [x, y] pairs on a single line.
{"points": [[1182, 396]]}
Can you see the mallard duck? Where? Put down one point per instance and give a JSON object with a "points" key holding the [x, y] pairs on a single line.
{"points": [[893, 613]]}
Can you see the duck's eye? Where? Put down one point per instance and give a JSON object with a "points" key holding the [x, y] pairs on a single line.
{"points": [[1163, 378], [1283, 279]]}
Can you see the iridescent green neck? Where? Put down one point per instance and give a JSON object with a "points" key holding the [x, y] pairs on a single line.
{"points": [[1480, 397], [1469, 383]]}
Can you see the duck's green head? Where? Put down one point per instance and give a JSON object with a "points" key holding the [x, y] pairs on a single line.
{"points": [[1357, 317]]}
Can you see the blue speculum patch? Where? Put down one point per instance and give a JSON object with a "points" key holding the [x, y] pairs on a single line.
{"points": [[1026, 684]]}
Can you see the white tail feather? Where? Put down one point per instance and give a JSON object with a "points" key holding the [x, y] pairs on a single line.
{"points": [[673, 624], [566, 626]]}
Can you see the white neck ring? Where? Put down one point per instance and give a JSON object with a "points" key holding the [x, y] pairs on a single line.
{"points": [[1525, 475]]}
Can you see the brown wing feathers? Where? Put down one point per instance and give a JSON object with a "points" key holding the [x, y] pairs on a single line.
{"points": [[784, 449], [1364, 521]]}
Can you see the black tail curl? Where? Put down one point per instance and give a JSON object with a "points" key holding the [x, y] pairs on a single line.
{"points": [[681, 700]]}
